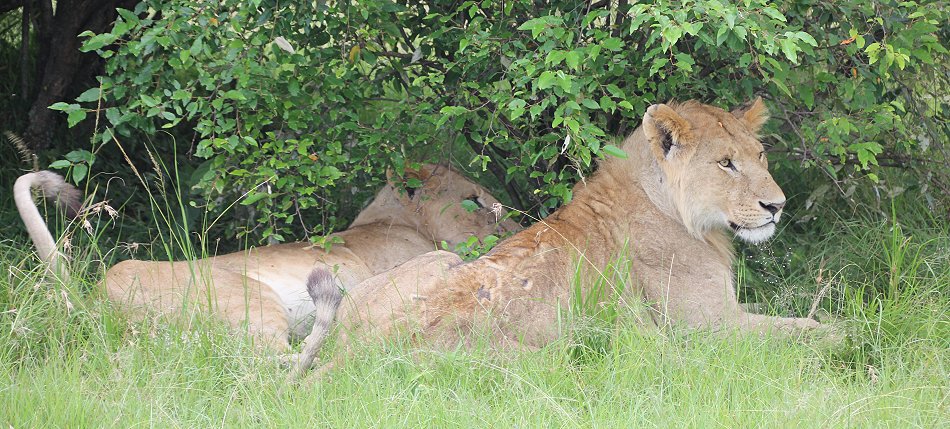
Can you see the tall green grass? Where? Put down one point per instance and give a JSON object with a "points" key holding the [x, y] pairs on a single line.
{"points": [[67, 359]]}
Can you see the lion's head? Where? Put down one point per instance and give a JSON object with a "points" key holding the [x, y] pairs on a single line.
{"points": [[715, 168], [449, 207]]}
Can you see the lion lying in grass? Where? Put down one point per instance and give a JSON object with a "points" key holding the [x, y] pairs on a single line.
{"points": [[264, 287], [694, 173]]}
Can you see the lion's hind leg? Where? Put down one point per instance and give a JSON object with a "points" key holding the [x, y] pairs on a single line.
{"points": [[178, 289], [245, 303]]}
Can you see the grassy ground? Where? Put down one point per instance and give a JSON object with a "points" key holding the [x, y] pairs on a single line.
{"points": [[68, 360]]}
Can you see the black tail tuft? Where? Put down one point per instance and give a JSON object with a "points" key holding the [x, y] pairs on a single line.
{"points": [[56, 189], [323, 289], [327, 295]]}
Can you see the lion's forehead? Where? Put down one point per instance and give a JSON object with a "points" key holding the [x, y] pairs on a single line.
{"points": [[733, 147], [717, 129]]}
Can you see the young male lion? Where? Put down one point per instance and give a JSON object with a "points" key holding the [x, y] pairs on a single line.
{"points": [[265, 287], [693, 173]]}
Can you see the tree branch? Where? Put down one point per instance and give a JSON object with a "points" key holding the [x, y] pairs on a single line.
{"points": [[421, 61], [497, 171]]}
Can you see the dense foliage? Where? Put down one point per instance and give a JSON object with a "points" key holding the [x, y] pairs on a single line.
{"points": [[285, 101]]}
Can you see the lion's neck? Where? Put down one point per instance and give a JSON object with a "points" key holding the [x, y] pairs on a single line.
{"points": [[634, 192], [641, 169]]}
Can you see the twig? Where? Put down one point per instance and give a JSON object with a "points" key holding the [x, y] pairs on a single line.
{"points": [[496, 171], [422, 61]]}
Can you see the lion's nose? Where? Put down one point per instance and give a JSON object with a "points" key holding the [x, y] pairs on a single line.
{"points": [[772, 207]]}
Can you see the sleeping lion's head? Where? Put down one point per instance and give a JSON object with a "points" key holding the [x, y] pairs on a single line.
{"points": [[452, 208], [715, 168]]}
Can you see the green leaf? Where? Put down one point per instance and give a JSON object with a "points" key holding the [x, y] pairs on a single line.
{"points": [[197, 46], [81, 156], [538, 25], [453, 110], [60, 164], [65, 107], [148, 100], [781, 85], [469, 206], [615, 151], [97, 42], [181, 94], [516, 107], [234, 94], [573, 59], [867, 153], [414, 183], [722, 35], [684, 61], [546, 80], [672, 33], [790, 49], [91, 94], [612, 43], [128, 15], [873, 52], [807, 38], [774, 13], [254, 197], [590, 103], [566, 81], [79, 172], [75, 117]]}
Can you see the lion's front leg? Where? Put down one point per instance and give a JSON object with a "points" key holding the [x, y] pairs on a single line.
{"points": [[700, 305]]}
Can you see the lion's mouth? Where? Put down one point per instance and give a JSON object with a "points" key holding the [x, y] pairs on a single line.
{"points": [[735, 227], [754, 234]]}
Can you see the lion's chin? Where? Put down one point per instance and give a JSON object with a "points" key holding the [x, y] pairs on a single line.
{"points": [[754, 235]]}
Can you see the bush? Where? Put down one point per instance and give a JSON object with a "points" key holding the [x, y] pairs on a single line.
{"points": [[284, 100]]}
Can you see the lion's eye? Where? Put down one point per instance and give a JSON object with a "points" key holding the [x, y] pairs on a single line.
{"points": [[727, 164]]}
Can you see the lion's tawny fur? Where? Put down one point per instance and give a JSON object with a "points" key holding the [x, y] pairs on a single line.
{"points": [[693, 173], [265, 288]]}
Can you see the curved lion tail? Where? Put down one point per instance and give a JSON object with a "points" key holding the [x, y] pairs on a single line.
{"points": [[325, 291], [63, 194]]}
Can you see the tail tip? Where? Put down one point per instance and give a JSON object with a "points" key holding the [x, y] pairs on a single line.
{"points": [[322, 287], [56, 188]]}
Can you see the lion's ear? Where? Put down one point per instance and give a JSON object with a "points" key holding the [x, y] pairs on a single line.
{"points": [[665, 130], [753, 114], [423, 173]]}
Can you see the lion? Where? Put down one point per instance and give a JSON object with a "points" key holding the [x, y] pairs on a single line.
{"points": [[693, 174], [265, 288]]}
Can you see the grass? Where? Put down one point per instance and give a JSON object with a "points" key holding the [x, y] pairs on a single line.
{"points": [[68, 360]]}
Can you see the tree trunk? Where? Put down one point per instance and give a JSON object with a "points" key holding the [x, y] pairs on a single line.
{"points": [[59, 62]]}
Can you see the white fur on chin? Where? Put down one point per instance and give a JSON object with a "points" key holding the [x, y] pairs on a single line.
{"points": [[756, 235]]}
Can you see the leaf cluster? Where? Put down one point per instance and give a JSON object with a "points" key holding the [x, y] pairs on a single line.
{"points": [[286, 100]]}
